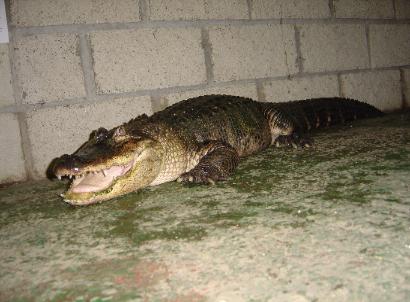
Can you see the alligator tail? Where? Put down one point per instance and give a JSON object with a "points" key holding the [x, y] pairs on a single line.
{"points": [[307, 115]]}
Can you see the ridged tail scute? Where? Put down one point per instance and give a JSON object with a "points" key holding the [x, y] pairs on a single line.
{"points": [[311, 114]]}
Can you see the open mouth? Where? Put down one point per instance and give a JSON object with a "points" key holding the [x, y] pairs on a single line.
{"points": [[91, 181]]}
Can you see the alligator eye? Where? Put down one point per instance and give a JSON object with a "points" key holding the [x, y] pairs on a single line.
{"points": [[101, 135]]}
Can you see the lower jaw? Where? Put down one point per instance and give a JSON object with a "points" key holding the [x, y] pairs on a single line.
{"points": [[85, 198]]}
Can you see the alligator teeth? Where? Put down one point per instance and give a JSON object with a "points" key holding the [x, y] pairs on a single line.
{"points": [[59, 177], [104, 172]]}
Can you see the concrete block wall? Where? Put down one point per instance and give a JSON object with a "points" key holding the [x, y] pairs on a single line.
{"points": [[73, 66]]}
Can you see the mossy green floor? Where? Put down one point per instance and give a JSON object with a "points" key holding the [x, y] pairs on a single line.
{"points": [[331, 223]]}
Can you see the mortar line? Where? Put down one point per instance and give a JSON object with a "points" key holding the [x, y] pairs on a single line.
{"points": [[26, 146], [206, 7], [403, 88], [332, 9], [348, 71], [260, 90], [99, 98], [394, 9], [143, 10], [158, 103], [87, 28], [340, 85], [358, 70], [87, 65], [207, 48], [249, 3], [299, 57], [369, 54], [20, 115]]}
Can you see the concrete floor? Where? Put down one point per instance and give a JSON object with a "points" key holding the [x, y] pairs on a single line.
{"points": [[330, 223]]}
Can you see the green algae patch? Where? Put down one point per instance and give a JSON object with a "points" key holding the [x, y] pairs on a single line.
{"points": [[230, 218], [179, 233]]}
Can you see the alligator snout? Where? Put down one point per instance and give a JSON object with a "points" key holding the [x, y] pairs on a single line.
{"points": [[68, 163]]}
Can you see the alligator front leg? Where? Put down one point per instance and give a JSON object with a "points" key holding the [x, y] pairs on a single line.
{"points": [[218, 161]]}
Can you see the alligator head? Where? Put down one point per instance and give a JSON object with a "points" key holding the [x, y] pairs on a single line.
{"points": [[111, 163]]}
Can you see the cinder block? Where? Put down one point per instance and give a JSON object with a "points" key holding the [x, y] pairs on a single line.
{"points": [[56, 12], [49, 68], [130, 60], [389, 45], [333, 47], [301, 88], [248, 52], [364, 9], [406, 86], [198, 9], [6, 90], [62, 129], [379, 88], [265, 9], [403, 9], [244, 90], [11, 155]]}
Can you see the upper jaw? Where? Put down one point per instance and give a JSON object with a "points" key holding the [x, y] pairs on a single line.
{"points": [[77, 173]]}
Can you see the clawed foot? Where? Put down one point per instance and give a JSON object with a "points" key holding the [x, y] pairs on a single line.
{"points": [[196, 176], [293, 140]]}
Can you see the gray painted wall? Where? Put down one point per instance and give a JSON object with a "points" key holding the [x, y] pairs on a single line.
{"points": [[73, 66]]}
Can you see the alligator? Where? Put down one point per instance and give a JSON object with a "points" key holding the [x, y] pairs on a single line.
{"points": [[198, 140]]}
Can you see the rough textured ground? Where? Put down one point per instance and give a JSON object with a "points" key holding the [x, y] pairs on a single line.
{"points": [[327, 224]]}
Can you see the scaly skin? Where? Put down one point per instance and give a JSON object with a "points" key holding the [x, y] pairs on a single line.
{"points": [[198, 140]]}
